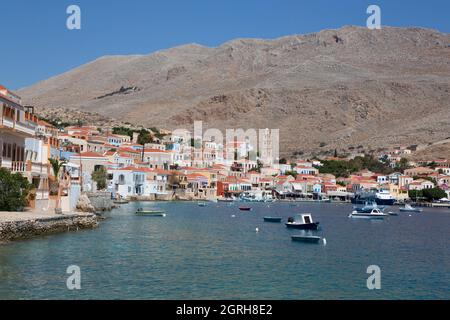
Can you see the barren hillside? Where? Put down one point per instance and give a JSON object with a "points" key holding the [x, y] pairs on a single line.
{"points": [[344, 88]]}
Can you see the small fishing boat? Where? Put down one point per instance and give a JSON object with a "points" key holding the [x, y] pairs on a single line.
{"points": [[308, 239], [374, 214], [393, 213], [121, 201], [245, 208], [409, 208], [202, 204], [303, 222], [151, 213], [272, 219]]}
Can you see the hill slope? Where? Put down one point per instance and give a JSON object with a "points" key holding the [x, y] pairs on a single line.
{"points": [[344, 88]]}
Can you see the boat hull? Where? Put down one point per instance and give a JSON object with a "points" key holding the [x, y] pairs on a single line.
{"points": [[272, 219], [410, 210], [366, 216], [245, 209], [307, 239], [303, 226], [151, 213]]}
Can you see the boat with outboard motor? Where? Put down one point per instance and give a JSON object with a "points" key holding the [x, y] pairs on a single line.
{"points": [[303, 222]]}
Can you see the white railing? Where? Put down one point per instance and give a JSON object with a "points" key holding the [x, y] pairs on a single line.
{"points": [[19, 126], [25, 128], [8, 123], [39, 168], [14, 166], [18, 166]]}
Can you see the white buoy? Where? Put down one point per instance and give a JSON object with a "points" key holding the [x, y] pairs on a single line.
{"points": [[257, 230], [324, 241]]}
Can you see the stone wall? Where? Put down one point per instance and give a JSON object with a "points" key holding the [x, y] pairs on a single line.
{"points": [[22, 229]]}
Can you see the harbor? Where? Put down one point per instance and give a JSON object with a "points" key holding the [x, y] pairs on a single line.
{"points": [[196, 253]]}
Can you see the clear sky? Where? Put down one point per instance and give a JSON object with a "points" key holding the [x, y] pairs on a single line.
{"points": [[37, 45]]}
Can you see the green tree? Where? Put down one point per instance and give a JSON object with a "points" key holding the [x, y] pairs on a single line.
{"points": [[434, 194], [283, 161], [415, 194], [14, 190], [403, 164], [55, 186], [144, 137], [100, 176], [291, 173]]}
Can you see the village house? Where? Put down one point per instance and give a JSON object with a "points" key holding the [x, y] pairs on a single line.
{"points": [[310, 170], [419, 171], [443, 170], [128, 182], [421, 184], [89, 162], [404, 181]]}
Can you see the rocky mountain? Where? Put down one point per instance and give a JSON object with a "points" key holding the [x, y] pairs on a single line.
{"points": [[350, 89]]}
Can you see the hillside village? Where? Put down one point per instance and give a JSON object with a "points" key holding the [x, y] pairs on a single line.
{"points": [[158, 165]]}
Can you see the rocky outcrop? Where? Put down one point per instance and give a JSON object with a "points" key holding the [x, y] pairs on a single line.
{"points": [[84, 204], [95, 202], [23, 229]]}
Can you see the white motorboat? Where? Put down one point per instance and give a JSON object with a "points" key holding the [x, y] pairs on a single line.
{"points": [[409, 208], [374, 214]]}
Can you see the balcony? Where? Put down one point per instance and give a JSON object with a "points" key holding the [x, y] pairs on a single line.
{"points": [[13, 166], [37, 168], [21, 127]]}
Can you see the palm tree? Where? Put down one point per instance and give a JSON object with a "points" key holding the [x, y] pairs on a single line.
{"points": [[56, 166]]}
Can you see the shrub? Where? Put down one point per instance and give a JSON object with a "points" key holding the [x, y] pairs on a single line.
{"points": [[14, 190]]}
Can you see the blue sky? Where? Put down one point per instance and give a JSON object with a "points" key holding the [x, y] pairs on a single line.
{"points": [[37, 45]]}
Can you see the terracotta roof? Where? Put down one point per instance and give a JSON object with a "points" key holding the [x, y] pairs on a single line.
{"points": [[90, 155]]}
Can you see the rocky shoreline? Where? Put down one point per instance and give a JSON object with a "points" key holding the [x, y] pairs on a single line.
{"points": [[18, 227]]}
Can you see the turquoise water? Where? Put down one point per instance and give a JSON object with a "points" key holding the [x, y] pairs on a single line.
{"points": [[205, 253]]}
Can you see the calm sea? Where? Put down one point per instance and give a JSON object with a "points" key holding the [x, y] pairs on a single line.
{"points": [[214, 252]]}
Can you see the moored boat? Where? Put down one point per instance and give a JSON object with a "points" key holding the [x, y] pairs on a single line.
{"points": [[409, 208], [151, 213], [245, 208], [121, 201], [309, 239], [303, 222], [374, 214], [201, 204], [272, 219]]}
